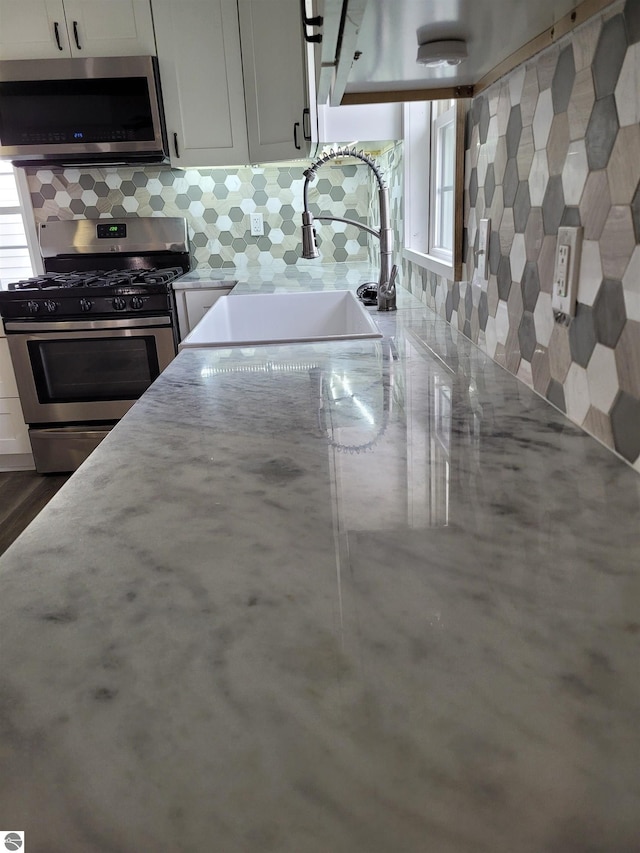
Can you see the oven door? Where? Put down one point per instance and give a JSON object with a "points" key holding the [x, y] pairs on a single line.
{"points": [[76, 371]]}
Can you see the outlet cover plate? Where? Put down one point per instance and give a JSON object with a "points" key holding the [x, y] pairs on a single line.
{"points": [[566, 270], [256, 224]]}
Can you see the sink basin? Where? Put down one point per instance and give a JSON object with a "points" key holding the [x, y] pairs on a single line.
{"points": [[256, 319]]}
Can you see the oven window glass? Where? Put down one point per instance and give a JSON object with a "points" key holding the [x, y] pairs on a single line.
{"points": [[75, 111], [93, 369]]}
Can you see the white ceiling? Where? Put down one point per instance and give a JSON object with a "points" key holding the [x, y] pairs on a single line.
{"points": [[493, 29]]}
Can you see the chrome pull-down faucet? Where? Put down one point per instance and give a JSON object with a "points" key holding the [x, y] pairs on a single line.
{"points": [[386, 280]]}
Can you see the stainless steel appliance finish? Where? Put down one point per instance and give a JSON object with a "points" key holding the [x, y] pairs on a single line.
{"points": [[89, 336], [64, 448], [80, 236], [104, 110], [77, 395]]}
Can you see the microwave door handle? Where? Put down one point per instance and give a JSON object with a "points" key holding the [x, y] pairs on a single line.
{"points": [[75, 35], [56, 30]]}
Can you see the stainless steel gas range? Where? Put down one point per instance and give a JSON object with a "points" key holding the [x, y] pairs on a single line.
{"points": [[89, 336]]}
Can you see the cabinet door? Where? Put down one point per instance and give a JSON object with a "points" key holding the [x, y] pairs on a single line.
{"points": [[274, 59], [33, 29], [194, 304], [110, 27], [7, 379], [14, 435], [201, 74]]}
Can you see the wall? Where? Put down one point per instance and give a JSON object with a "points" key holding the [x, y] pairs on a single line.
{"points": [[557, 142], [216, 204]]}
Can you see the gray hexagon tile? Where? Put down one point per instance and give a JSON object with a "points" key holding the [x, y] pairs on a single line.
{"points": [[601, 132], [553, 205], [563, 79], [533, 234], [609, 314], [609, 56], [625, 417], [617, 241], [627, 355], [595, 204], [580, 104], [582, 335], [546, 67], [560, 356], [529, 95], [558, 143], [623, 170]]}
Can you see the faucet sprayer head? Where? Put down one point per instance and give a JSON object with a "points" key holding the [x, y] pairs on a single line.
{"points": [[309, 245]]}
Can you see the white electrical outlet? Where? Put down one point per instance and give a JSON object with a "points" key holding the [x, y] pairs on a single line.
{"points": [[566, 271], [256, 224], [482, 259]]}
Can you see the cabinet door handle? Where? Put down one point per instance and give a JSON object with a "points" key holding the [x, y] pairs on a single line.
{"points": [[175, 145], [310, 22], [56, 30], [306, 123], [295, 135], [75, 35]]}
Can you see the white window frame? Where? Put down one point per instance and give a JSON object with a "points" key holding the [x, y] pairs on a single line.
{"points": [[420, 180], [438, 125], [25, 209]]}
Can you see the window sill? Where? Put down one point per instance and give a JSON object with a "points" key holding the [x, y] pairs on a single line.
{"points": [[429, 262]]}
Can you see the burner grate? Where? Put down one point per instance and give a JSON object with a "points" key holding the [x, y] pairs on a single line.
{"points": [[99, 278]]}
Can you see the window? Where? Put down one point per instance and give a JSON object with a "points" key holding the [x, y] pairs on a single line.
{"points": [[15, 256], [434, 158]]}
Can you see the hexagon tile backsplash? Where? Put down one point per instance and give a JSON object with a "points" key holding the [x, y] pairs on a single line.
{"points": [[557, 142], [217, 204]]}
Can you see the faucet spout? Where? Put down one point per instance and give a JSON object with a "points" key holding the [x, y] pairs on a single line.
{"points": [[388, 271]]}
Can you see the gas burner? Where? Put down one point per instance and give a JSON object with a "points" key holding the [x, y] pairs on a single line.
{"points": [[161, 276], [141, 277], [39, 282]]}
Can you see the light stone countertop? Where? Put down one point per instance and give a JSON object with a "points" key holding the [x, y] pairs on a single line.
{"points": [[367, 597]]}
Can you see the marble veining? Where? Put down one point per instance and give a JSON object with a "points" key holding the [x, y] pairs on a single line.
{"points": [[366, 597]]}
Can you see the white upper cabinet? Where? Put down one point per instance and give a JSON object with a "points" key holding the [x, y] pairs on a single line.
{"points": [[234, 81], [276, 83], [201, 75], [110, 27], [47, 29]]}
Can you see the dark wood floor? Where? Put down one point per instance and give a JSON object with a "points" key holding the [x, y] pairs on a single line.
{"points": [[22, 495]]}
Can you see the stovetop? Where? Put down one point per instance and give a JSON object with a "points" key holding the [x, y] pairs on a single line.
{"points": [[98, 293], [144, 279]]}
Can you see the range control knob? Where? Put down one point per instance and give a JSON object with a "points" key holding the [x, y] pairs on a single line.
{"points": [[137, 302], [50, 306], [119, 303], [86, 304], [33, 307]]}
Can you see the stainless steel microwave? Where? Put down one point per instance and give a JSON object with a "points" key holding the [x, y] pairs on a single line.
{"points": [[104, 110]]}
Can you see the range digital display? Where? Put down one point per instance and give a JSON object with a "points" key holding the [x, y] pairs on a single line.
{"points": [[115, 231]]}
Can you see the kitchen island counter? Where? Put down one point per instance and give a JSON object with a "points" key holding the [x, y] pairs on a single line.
{"points": [[366, 597]]}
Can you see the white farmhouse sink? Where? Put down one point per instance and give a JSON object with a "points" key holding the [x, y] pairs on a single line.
{"points": [[255, 319]]}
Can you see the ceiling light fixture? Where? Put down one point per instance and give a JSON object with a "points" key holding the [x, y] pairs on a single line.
{"points": [[445, 52]]}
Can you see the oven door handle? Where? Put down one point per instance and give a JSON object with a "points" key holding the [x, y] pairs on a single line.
{"points": [[87, 325]]}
